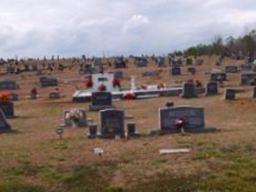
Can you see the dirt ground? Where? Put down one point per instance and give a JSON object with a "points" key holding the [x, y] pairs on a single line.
{"points": [[32, 158]]}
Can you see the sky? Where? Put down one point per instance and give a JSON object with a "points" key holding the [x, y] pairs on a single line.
{"points": [[37, 28]]}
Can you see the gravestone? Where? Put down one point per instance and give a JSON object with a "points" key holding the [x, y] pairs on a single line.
{"points": [[82, 120], [246, 67], [100, 101], [230, 94], [218, 76], [231, 69], [119, 63], [254, 92], [4, 125], [141, 63], [118, 74], [248, 79], [47, 81], [176, 71], [54, 95], [92, 128], [193, 116], [192, 70], [112, 123], [7, 108], [150, 73], [8, 85], [211, 88], [189, 61], [189, 90]]}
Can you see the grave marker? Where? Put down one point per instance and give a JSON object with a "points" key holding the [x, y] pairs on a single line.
{"points": [[112, 123], [193, 117]]}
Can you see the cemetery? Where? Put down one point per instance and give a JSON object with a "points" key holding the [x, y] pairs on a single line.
{"points": [[126, 119]]}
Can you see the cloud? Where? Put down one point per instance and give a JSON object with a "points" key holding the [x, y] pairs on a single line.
{"points": [[134, 23], [91, 27]]}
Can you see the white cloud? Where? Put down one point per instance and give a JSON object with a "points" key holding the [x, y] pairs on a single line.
{"points": [[135, 22], [73, 28]]}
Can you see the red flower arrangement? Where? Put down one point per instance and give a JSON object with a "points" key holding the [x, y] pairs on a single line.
{"points": [[4, 96], [160, 86], [180, 123], [116, 83], [129, 96], [102, 87], [89, 83]]}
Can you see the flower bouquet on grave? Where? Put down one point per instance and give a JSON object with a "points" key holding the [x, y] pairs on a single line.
{"points": [[180, 124], [4, 97], [74, 116], [102, 88]]}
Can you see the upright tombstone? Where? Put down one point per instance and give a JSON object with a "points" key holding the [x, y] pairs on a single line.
{"points": [[112, 123], [100, 101], [189, 90], [142, 62], [231, 69], [119, 63], [254, 92], [7, 108], [118, 74], [82, 122], [176, 71], [211, 88], [8, 85], [47, 81], [4, 125], [189, 61], [248, 79], [192, 70], [54, 95], [246, 67], [193, 117], [218, 76], [230, 94]]}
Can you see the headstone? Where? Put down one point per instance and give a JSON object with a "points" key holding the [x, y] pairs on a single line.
{"points": [[141, 62], [246, 67], [150, 73], [131, 129], [47, 82], [176, 71], [54, 95], [118, 74], [4, 125], [189, 61], [82, 118], [218, 76], [193, 116], [101, 100], [254, 92], [8, 85], [7, 108], [230, 94], [112, 123], [119, 63], [192, 70], [92, 131], [231, 69], [212, 88], [248, 79], [188, 90]]}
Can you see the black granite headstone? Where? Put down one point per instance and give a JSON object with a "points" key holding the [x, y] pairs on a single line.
{"points": [[112, 123]]}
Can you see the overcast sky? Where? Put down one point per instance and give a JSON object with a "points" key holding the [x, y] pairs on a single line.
{"points": [[113, 27]]}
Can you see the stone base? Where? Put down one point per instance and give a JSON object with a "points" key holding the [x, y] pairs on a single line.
{"points": [[99, 108], [155, 132]]}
